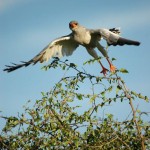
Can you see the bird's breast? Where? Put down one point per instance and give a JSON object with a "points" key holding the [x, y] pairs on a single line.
{"points": [[83, 38]]}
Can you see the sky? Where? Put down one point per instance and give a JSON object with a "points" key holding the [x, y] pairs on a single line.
{"points": [[26, 27]]}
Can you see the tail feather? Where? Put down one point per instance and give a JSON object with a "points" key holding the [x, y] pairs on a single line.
{"points": [[122, 41], [16, 66]]}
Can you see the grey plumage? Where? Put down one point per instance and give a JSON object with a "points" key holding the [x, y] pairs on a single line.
{"points": [[66, 45]]}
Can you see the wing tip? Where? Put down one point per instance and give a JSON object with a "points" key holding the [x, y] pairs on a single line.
{"points": [[13, 67]]}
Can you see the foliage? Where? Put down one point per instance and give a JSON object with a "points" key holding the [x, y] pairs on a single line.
{"points": [[54, 122]]}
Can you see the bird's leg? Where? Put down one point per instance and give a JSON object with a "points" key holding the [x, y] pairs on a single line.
{"points": [[112, 67], [104, 52], [93, 53], [104, 70]]}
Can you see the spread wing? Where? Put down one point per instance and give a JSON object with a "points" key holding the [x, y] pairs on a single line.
{"points": [[63, 46], [113, 38]]}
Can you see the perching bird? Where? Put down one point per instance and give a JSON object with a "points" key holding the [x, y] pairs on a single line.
{"points": [[88, 38]]}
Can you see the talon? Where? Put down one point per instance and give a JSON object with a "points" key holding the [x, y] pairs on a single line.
{"points": [[104, 71], [112, 68]]}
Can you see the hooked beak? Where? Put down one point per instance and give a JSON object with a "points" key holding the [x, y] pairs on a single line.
{"points": [[72, 25]]}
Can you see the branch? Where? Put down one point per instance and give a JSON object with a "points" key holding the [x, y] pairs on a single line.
{"points": [[127, 93]]}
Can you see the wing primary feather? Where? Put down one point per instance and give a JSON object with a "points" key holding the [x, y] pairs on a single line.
{"points": [[16, 66], [60, 47]]}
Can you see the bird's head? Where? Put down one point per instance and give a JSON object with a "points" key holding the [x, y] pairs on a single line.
{"points": [[73, 25]]}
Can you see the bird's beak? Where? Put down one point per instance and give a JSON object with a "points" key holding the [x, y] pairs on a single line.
{"points": [[72, 25]]}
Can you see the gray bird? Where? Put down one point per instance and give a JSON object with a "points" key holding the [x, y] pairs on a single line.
{"points": [[88, 38]]}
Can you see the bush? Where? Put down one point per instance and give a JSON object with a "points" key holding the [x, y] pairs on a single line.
{"points": [[54, 122]]}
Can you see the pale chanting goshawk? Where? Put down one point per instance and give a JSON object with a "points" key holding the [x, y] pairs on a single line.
{"points": [[88, 38]]}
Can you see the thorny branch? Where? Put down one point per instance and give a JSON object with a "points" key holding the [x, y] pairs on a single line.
{"points": [[127, 93]]}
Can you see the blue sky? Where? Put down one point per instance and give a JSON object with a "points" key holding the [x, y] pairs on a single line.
{"points": [[28, 26]]}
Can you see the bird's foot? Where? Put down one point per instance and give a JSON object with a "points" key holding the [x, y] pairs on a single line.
{"points": [[112, 68], [104, 71]]}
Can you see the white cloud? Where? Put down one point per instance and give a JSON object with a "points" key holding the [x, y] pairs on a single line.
{"points": [[135, 18], [7, 4], [4, 4]]}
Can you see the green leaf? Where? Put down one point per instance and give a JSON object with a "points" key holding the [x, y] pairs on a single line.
{"points": [[93, 98], [113, 59], [96, 108], [118, 89], [103, 93], [123, 70], [141, 96], [72, 65], [76, 143], [97, 79], [79, 96], [146, 98], [109, 101], [64, 67], [134, 93], [102, 104], [110, 88], [121, 99], [43, 94]]}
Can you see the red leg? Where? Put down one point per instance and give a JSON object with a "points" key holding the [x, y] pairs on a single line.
{"points": [[112, 67], [104, 70]]}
